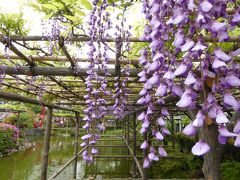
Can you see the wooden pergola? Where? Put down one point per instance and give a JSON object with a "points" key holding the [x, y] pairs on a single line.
{"points": [[69, 92]]}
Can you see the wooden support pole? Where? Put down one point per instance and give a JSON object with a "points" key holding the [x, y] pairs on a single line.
{"points": [[134, 144], [145, 177], [124, 125], [128, 129], [46, 144], [173, 132], [76, 145], [140, 169]]}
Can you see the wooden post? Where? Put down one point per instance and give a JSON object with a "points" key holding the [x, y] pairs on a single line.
{"points": [[76, 145], [144, 156], [134, 144], [46, 144], [173, 131], [128, 129], [125, 132], [122, 121]]}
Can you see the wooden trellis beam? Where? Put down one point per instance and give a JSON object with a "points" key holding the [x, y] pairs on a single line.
{"points": [[35, 86], [17, 88], [63, 59], [79, 82], [8, 43], [58, 71], [83, 103], [15, 97], [30, 62], [69, 58], [132, 39], [64, 49], [65, 87], [134, 62]]}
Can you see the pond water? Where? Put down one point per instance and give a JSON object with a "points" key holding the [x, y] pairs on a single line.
{"points": [[26, 165]]}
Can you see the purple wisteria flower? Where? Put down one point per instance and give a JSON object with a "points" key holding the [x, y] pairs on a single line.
{"points": [[200, 148], [180, 63]]}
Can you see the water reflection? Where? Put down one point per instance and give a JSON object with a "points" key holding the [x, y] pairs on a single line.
{"points": [[111, 167], [26, 165]]}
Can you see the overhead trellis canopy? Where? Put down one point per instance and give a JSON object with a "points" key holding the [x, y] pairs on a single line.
{"points": [[188, 65], [68, 89]]}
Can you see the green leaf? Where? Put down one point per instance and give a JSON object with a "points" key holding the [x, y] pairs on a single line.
{"points": [[86, 4], [50, 7], [34, 5], [49, 15], [79, 12], [58, 5], [68, 1], [71, 18]]}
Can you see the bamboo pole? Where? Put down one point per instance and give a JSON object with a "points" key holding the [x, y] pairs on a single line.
{"points": [[46, 144], [76, 145]]}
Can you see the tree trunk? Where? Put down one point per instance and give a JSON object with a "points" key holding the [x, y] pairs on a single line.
{"points": [[211, 165]]}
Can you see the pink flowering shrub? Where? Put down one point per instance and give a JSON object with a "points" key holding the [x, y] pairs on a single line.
{"points": [[9, 135]]}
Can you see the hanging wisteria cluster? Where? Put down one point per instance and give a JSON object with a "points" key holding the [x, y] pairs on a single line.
{"points": [[123, 46], [180, 63], [96, 80], [52, 29]]}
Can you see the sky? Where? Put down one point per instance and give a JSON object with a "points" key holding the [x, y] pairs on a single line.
{"points": [[34, 18]]}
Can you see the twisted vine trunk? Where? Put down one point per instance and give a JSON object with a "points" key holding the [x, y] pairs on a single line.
{"points": [[211, 165]]}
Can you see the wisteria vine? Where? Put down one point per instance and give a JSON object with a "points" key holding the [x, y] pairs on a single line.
{"points": [[180, 63], [96, 80], [123, 45]]}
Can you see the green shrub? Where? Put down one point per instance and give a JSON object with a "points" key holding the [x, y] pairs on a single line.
{"points": [[24, 120], [230, 152], [185, 143], [230, 171], [8, 138], [176, 168]]}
